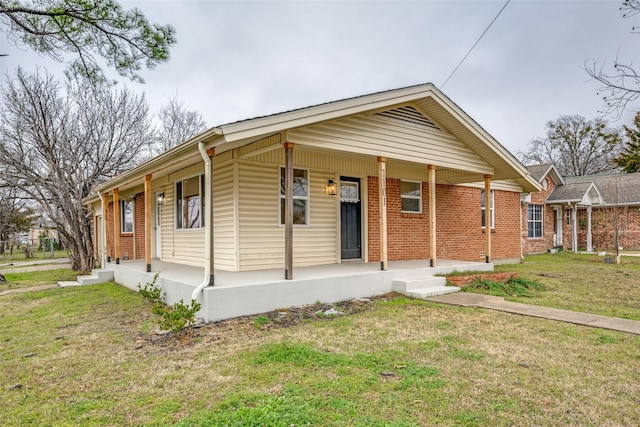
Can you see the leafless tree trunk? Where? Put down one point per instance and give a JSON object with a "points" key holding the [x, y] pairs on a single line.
{"points": [[59, 141]]}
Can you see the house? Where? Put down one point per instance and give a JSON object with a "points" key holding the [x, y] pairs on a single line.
{"points": [[341, 190], [581, 212]]}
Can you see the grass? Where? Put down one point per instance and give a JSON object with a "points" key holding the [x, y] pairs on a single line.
{"points": [[36, 278], [582, 283], [38, 254], [85, 356]]}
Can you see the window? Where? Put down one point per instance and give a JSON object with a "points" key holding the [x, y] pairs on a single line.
{"points": [[482, 209], [568, 217], [534, 222], [126, 216], [190, 203], [300, 196], [411, 194]]}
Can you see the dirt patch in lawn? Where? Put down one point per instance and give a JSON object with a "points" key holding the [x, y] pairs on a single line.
{"points": [[247, 326]]}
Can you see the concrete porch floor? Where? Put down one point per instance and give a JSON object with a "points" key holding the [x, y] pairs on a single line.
{"points": [[251, 292]]}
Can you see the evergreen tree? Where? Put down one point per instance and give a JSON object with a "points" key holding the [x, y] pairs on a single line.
{"points": [[629, 159]]}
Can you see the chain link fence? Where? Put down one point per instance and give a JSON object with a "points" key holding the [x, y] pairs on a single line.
{"points": [[29, 249]]}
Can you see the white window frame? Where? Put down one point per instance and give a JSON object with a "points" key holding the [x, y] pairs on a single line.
{"points": [[491, 209], [179, 205], [411, 197], [531, 220], [306, 198], [123, 216]]}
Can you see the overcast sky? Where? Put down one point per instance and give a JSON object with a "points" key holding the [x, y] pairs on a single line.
{"points": [[239, 59]]}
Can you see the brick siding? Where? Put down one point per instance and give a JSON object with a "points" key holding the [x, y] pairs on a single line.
{"points": [[458, 224]]}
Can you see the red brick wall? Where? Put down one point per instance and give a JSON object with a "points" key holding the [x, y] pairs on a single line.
{"points": [[539, 245], [603, 230], [459, 232], [127, 240], [138, 227]]}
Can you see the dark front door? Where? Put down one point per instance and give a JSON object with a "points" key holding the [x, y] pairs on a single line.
{"points": [[351, 235]]}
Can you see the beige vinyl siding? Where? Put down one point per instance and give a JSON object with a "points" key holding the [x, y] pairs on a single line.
{"points": [[261, 240], [180, 246], [375, 136], [224, 218]]}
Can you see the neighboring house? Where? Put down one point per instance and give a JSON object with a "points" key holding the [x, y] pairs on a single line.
{"points": [[581, 212], [399, 175]]}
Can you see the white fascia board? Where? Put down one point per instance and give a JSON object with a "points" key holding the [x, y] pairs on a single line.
{"points": [[307, 116], [173, 155], [485, 137]]}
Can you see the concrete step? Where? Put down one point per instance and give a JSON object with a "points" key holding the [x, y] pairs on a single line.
{"points": [[432, 291], [97, 276], [68, 283], [408, 285]]}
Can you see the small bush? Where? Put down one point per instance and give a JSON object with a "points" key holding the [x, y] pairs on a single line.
{"points": [[174, 318]]}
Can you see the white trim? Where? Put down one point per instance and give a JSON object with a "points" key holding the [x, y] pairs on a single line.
{"points": [[419, 198], [492, 210]]}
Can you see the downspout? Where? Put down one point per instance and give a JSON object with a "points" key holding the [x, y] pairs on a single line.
{"points": [[207, 224], [103, 233]]}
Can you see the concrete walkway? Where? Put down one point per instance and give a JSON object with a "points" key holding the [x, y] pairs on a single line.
{"points": [[467, 299]]}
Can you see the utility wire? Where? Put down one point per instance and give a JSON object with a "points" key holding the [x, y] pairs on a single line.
{"points": [[474, 45]]}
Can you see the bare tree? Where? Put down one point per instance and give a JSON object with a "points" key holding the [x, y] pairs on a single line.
{"points": [[15, 216], [614, 214], [577, 146], [58, 145], [84, 28], [620, 84], [177, 124]]}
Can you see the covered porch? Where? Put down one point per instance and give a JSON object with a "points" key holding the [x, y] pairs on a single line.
{"points": [[252, 292]]}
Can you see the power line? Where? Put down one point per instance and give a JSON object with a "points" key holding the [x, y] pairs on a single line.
{"points": [[474, 45]]}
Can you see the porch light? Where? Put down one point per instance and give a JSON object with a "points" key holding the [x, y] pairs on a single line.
{"points": [[331, 188], [160, 199]]}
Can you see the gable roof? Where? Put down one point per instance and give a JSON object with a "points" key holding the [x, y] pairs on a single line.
{"points": [[538, 172], [426, 98], [581, 192], [621, 188]]}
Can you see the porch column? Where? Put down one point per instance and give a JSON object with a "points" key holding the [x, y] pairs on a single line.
{"points": [[382, 197], [432, 214], [116, 224], [147, 221], [574, 227], [487, 217], [288, 211], [106, 227], [589, 238]]}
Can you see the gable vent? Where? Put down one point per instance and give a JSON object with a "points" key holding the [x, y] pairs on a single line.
{"points": [[408, 115]]}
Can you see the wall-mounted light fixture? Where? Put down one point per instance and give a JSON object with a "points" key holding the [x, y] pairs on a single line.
{"points": [[160, 199], [331, 188]]}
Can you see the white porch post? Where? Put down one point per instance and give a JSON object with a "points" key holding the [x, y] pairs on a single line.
{"points": [[382, 196], [574, 227], [432, 215], [288, 209], [208, 187], [487, 216], [589, 239]]}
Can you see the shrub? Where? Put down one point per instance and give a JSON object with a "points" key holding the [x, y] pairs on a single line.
{"points": [[174, 318]]}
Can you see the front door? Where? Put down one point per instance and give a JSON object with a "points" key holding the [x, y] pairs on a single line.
{"points": [[351, 236], [557, 216]]}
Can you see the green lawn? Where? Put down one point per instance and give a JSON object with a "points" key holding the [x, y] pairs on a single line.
{"points": [[36, 278], [88, 356], [583, 283], [38, 254]]}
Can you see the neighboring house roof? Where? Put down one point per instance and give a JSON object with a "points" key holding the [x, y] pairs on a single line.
{"points": [[539, 172], [623, 188], [489, 156], [581, 192]]}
